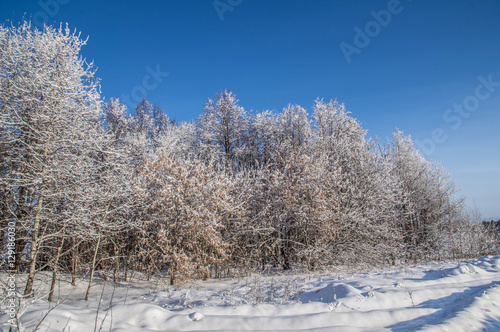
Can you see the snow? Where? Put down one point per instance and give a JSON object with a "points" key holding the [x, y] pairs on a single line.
{"points": [[446, 296]]}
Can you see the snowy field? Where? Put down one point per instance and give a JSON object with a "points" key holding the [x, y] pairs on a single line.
{"points": [[451, 296]]}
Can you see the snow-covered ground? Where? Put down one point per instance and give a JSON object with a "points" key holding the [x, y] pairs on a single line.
{"points": [[451, 296]]}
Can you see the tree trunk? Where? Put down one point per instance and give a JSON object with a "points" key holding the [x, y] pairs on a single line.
{"points": [[172, 275], [116, 268], [95, 253], [23, 212], [74, 264], [285, 262], [20, 233], [18, 248], [126, 268], [36, 226], [35, 243], [93, 267], [54, 270]]}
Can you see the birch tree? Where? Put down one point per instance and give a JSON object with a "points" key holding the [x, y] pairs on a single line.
{"points": [[50, 100]]}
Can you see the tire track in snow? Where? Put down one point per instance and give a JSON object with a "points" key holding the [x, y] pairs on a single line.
{"points": [[448, 307]]}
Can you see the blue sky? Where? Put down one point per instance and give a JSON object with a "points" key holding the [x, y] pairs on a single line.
{"points": [[430, 68]]}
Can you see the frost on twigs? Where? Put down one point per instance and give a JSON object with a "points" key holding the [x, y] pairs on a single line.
{"points": [[85, 186]]}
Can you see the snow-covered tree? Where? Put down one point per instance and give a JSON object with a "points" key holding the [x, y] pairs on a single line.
{"points": [[188, 206], [425, 203], [261, 139], [298, 205], [50, 105], [116, 121], [84, 183], [365, 199], [222, 128], [293, 132]]}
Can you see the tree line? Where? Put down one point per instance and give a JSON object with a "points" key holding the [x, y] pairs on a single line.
{"points": [[85, 186]]}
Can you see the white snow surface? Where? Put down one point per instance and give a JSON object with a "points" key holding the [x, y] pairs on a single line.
{"points": [[446, 296]]}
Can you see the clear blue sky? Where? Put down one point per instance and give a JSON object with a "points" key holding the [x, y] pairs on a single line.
{"points": [[424, 70]]}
